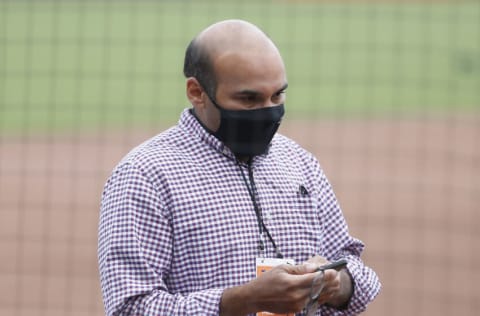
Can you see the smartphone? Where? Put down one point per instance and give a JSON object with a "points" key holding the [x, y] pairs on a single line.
{"points": [[336, 265]]}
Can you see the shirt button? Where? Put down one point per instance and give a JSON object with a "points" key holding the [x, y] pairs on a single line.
{"points": [[268, 216], [225, 150]]}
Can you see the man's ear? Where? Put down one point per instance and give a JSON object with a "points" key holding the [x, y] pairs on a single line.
{"points": [[195, 93]]}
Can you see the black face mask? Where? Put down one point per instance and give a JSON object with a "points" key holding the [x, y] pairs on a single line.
{"points": [[248, 132]]}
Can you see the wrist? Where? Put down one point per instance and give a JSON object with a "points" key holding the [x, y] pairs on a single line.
{"points": [[236, 301]]}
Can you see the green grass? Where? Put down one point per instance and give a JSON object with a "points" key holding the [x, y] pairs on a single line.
{"points": [[96, 64]]}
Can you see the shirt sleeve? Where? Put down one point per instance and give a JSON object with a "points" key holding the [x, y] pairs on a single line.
{"points": [[339, 244], [135, 249]]}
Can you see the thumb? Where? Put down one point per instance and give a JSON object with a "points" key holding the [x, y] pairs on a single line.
{"points": [[303, 268]]}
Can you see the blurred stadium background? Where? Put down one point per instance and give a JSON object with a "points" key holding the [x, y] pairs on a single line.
{"points": [[385, 93]]}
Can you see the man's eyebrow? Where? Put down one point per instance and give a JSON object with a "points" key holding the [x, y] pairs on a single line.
{"points": [[255, 93], [247, 92]]}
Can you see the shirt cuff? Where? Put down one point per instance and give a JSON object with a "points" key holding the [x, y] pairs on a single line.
{"points": [[205, 302]]}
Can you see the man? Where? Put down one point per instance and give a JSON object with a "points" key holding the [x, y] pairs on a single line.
{"points": [[187, 215]]}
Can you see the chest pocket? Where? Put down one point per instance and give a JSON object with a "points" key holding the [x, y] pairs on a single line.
{"points": [[292, 215]]}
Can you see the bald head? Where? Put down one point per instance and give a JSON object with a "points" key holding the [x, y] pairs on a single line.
{"points": [[231, 39], [234, 36]]}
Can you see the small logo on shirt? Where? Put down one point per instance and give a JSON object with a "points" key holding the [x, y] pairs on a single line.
{"points": [[303, 191]]}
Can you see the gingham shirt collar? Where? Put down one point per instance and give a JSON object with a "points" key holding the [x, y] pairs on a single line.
{"points": [[192, 125]]}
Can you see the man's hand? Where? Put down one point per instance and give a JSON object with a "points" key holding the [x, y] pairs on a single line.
{"points": [[337, 284], [284, 289]]}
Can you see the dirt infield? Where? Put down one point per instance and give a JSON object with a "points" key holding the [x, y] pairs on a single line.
{"points": [[410, 189]]}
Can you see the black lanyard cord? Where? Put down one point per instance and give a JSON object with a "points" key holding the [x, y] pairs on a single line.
{"points": [[252, 191]]}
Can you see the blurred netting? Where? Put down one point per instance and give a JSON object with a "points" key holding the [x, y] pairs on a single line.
{"points": [[385, 93]]}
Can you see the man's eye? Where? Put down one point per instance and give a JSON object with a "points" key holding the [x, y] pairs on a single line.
{"points": [[249, 98], [279, 94]]}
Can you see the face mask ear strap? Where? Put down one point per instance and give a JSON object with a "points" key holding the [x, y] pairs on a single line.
{"points": [[208, 95], [214, 102]]}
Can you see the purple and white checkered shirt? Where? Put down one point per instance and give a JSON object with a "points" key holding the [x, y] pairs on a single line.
{"points": [[178, 226]]}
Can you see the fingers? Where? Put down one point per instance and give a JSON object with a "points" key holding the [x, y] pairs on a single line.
{"points": [[297, 278], [291, 277], [284, 289], [318, 260], [287, 288], [296, 284], [308, 267], [331, 288], [326, 297]]}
